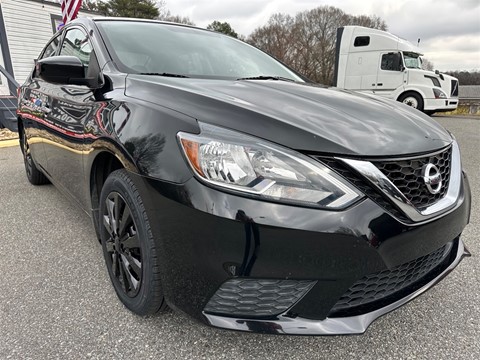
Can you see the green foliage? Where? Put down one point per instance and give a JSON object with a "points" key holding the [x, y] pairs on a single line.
{"points": [[223, 28], [146, 9], [176, 19], [89, 5]]}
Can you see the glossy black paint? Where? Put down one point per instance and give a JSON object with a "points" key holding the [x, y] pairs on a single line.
{"points": [[207, 236], [287, 242], [304, 117], [61, 70]]}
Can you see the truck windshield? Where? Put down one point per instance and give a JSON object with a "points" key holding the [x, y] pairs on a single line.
{"points": [[412, 60]]}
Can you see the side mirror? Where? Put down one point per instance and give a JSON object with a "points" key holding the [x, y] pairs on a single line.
{"points": [[66, 70]]}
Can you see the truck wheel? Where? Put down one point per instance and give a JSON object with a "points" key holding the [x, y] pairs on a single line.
{"points": [[130, 251], [412, 99]]}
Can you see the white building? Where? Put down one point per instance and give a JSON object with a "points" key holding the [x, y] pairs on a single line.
{"points": [[25, 28]]}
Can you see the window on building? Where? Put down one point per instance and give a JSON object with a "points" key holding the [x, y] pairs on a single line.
{"points": [[57, 22]]}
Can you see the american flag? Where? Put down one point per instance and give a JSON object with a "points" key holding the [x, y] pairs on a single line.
{"points": [[70, 9]]}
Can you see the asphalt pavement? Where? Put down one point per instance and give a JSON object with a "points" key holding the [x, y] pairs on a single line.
{"points": [[56, 301]]}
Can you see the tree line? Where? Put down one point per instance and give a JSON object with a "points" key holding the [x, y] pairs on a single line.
{"points": [[466, 77], [305, 42]]}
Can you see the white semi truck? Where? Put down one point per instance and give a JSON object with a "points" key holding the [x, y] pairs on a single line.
{"points": [[377, 62]]}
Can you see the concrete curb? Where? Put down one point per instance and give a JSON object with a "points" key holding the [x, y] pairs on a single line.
{"points": [[9, 143]]}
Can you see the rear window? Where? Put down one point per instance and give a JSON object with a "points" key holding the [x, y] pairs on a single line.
{"points": [[361, 41]]}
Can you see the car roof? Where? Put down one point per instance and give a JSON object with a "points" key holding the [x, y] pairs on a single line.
{"points": [[101, 19]]}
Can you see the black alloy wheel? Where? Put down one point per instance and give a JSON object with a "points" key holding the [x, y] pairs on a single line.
{"points": [[34, 176], [123, 245], [129, 248]]}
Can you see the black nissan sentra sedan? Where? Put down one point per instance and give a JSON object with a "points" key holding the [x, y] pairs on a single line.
{"points": [[224, 184]]}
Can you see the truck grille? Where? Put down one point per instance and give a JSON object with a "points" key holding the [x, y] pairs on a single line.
{"points": [[378, 286], [454, 88]]}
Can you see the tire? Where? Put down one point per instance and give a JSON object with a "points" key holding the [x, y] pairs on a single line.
{"points": [[412, 99], [129, 249], [34, 176]]}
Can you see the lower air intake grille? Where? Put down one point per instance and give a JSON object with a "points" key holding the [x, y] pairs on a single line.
{"points": [[378, 286], [257, 297]]}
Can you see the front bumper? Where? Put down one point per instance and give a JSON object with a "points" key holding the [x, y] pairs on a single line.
{"points": [[440, 105], [284, 324], [208, 237]]}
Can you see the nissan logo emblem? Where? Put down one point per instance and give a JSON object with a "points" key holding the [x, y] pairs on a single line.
{"points": [[432, 177]]}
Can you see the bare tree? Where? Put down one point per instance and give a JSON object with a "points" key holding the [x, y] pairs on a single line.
{"points": [[276, 38], [427, 64], [373, 21], [307, 42]]}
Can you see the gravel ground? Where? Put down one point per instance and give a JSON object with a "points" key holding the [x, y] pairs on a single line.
{"points": [[6, 134], [56, 301]]}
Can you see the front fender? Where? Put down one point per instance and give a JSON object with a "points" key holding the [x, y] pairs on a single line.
{"points": [[142, 136]]}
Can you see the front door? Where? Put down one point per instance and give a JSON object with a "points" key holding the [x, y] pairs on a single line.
{"points": [[391, 75], [70, 107], [32, 107]]}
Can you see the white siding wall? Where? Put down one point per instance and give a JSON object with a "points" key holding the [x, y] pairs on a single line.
{"points": [[28, 26], [4, 90]]}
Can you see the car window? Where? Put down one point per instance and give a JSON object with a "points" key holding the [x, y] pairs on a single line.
{"points": [[182, 50], [51, 48], [76, 44]]}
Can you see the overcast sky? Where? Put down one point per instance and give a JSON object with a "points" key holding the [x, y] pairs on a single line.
{"points": [[449, 29]]}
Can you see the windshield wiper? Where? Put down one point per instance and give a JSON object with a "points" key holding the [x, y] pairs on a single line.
{"points": [[267, 77], [165, 74]]}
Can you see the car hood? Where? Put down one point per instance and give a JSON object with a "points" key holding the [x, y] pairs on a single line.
{"points": [[307, 118]]}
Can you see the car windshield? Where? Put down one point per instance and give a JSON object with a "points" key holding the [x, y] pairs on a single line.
{"points": [[412, 60], [172, 50]]}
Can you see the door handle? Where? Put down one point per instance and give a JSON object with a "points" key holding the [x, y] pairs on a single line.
{"points": [[380, 84]]}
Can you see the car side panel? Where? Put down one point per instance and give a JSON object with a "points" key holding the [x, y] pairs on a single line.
{"points": [[141, 135], [32, 117]]}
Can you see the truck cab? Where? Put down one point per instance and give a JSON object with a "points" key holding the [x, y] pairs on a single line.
{"points": [[380, 63]]}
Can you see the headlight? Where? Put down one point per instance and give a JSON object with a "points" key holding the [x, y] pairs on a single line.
{"points": [[244, 163], [439, 94]]}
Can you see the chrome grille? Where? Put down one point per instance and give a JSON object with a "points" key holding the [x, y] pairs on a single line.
{"points": [[363, 186], [406, 176]]}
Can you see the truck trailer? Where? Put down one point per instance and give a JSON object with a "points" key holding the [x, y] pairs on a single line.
{"points": [[378, 62]]}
